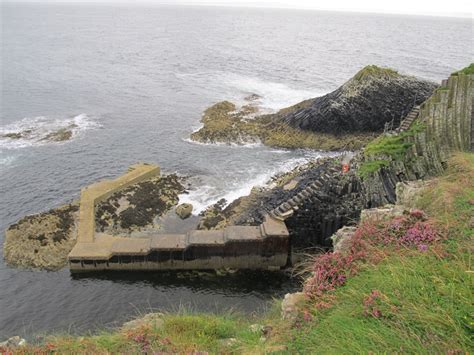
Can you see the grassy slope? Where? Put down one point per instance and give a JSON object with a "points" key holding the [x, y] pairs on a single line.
{"points": [[425, 301]]}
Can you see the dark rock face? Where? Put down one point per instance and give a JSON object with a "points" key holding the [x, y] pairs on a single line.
{"points": [[365, 103]]}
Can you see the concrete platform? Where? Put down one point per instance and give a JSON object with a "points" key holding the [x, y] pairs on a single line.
{"points": [[246, 247]]}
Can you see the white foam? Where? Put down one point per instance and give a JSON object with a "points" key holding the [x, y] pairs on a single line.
{"points": [[34, 130], [203, 196], [274, 96], [242, 144], [6, 161]]}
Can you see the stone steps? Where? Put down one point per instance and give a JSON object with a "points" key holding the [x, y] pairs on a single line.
{"points": [[312, 191], [409, 119]]}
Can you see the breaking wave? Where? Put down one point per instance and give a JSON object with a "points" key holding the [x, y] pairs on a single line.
{"points": [[42, 130], [210, 191]]}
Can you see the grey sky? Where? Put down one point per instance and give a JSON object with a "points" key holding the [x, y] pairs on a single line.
{"points": [[462, 8]]}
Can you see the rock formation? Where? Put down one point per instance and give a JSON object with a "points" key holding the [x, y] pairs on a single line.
{"points": [[365, 103], [346, 118]]}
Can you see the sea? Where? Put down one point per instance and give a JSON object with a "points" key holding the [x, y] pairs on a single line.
{"points": [[132, 81]]}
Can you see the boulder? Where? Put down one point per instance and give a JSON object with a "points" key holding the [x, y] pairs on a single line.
{"points": [[408, 193], [341, 239], [13, 342], [151, 319], [290, 307], [184, 210], [382, 213]]}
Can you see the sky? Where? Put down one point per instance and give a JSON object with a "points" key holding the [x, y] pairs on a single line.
{"points": [[458, 8]]}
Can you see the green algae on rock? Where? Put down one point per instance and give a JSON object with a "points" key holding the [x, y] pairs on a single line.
{"points": [[137, 206], [223, 123], [43, 240]]}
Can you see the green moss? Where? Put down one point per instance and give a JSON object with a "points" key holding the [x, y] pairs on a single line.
{"points": [[373, 71], [467, 70], [371, 167], [392, 147]]}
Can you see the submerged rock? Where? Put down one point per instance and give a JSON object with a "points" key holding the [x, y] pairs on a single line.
{"points": [[184, 210], [61, 135]]}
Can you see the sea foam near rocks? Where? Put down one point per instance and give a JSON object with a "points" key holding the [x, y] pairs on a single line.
{"points": [[41, 130]]}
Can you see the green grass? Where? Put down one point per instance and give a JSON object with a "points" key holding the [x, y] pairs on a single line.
{"points": [[467, 70], [379, 152], [425, 301], [373, 71], [425, 309], [372, 166]]}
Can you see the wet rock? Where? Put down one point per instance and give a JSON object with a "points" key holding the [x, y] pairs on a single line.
{"points": [[18, 135], [291, 305], [60, 135], [341, 239], [252, 97], [154, 320], [43, 240], [184, 210], [13, 342], [138, 206]]}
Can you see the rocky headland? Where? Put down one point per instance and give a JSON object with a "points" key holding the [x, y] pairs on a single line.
{"points": [[345, 119]]}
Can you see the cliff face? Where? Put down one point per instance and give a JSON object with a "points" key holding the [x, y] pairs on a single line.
{"points": [[445, 123], [365, 103]]}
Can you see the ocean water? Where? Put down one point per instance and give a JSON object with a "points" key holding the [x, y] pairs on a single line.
{"points": [[131, 82]]}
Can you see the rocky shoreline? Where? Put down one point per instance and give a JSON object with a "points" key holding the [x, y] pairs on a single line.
{"points": [[345, 119]]}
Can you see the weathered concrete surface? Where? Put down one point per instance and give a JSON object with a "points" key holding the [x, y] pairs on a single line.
{"points": [[99, 191], [244, 247], [249, 247]]}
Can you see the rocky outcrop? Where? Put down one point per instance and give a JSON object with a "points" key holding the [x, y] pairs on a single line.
{"points": [[138, 206], [43, 240], [365, 103], [347, 118]]}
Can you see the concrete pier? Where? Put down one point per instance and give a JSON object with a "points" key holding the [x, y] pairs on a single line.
{"points": [[240, 247]]}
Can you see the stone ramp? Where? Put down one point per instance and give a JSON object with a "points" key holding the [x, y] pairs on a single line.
{"points": [[251, 247]]}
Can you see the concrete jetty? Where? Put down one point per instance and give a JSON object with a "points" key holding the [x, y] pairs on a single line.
{"points": [[240, 247]]}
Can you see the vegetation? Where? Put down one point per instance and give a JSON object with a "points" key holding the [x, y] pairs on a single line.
{"points": [[379, 152], [373, 71], [404, 286], [467, 70]]}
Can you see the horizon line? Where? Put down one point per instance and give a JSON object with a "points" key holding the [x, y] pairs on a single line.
{"points": [[463, 15]]}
